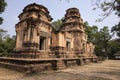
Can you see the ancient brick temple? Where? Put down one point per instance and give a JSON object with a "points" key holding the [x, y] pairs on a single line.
{"points": [[40, 46]]}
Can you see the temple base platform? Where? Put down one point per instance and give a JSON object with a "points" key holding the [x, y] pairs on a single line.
{"points": [[39, 65]]}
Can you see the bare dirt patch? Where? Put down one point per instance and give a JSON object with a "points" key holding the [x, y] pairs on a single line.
{"points": [[107, 70]]}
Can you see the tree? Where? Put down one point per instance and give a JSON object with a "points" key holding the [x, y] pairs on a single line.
{"points": [[114, 46], [116, 29], [3, 4], [105, 37], [90, 31], [57, 24], [99, 38], [7, 45], [109, 6], [94, 37]]}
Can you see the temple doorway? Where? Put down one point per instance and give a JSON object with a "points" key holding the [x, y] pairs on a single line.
{"points": [[42, 45], [68, 45]]}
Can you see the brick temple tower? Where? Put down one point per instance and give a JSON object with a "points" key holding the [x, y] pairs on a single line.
{"points": [[73, 24], [33, 32]]}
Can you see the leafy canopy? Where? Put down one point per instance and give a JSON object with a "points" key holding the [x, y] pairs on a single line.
{"points": [[3, 4]]}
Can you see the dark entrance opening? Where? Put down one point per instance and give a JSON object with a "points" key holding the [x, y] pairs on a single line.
{"points": [[42, 45], [83, 47], [68, 45]]}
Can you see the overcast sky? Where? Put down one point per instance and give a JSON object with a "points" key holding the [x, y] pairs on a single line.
{"points": [[57, 9]]}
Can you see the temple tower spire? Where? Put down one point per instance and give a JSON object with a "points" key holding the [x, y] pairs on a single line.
{"points": [[73, 23], [33, 30]]}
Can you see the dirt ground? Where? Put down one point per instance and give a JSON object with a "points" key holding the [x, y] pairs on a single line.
{"points": [[107, 70]]}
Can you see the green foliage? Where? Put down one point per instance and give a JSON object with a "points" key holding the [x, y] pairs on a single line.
{"points": [[3, 4], [99, 38], [57, 24], [1, 19], [105, 34], [7, 43], [116, 29], [103, 38], [114, 46], [90, 31]]}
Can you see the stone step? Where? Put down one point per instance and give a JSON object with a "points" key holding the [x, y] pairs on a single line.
{"points": [[61, 64]]}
